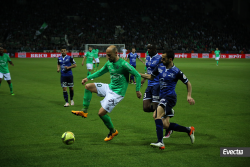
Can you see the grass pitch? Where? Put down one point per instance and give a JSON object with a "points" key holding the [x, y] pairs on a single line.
{"points": [[33, 120]]}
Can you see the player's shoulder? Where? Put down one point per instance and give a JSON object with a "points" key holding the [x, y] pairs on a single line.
{"points": [[175, 69], [6, 55]]}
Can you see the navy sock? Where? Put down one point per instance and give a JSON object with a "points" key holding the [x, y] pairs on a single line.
{"points": [[179, 128], [65, 95], [71, 92], [159, 129]]}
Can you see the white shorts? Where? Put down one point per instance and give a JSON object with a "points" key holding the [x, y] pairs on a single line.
{"points": [[217, 58], [89, 66], [123, 55], [6, 76], [111, 98], [97, 60]]}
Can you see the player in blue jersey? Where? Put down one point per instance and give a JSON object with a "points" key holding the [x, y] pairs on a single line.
{"points": [[66, 62], [132, 61], [151, 95], [168, 75]]}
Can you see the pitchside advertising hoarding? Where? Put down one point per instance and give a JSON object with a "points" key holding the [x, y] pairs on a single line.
{"points": [[142, 55]]}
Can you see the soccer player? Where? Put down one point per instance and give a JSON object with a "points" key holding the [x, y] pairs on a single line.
{"points": [[96, 56], [124, 51], [132, 59], [217, 56], [66, 62], [4, 69], [168, 75], [90, 58], [151, 95], [114, 92]]}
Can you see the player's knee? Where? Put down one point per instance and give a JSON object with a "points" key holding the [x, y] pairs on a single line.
{"points": [[146, 108], [87, 86]]}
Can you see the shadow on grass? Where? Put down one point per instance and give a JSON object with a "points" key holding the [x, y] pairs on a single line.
{"points": [[70, 148]]}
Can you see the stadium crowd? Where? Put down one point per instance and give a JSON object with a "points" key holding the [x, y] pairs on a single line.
{"points": [[182, 25]]}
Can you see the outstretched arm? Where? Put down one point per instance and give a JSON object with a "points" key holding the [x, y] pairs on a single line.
{"points": [[147, 76]]}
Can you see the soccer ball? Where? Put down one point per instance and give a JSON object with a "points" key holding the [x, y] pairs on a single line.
{"points": [[68, 138]]}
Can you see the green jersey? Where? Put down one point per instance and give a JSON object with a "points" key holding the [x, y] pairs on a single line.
{"points": [[119, 75], [96, 53], [217, 53], [89, 56], [4, 63]]}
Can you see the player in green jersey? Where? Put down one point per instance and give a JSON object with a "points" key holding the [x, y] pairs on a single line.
{"points": [[90, 58], [4, 69], [217, 56], [114, 92], [96, 56]]}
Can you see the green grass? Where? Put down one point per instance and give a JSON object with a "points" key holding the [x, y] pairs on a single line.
{"points": [[32, 121]]}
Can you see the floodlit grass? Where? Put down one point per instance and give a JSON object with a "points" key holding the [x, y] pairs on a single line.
{"points": [[33, 120]]}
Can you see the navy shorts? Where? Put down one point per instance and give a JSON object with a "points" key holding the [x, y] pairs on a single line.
{"points": [[168, 102], [133, 66], [67, 81], [152, 92]]}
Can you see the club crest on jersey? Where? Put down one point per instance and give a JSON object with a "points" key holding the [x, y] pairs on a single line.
{"points": [[117, 67], [164, 74], [171, 75], [149, 63], [160, 70]]}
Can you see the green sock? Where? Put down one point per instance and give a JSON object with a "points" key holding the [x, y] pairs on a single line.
{"points": [[88, 73], [107, 121], [11, 88], [217, 62], [86, 98], [97, 65], [0, 84], [94, 65], [145, 69]]}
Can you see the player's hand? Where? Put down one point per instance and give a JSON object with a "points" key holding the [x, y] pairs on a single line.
{"points": [[190, 100], [138, 94], [84, 80], [58, 70], [82, 64], [66, 67], [12, 64], [142, 82]]}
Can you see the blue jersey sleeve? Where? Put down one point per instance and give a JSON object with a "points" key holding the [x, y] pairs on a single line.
{"points": [[155, 72], [137, 56], [72, 60], [129, 55], [182, 77]]}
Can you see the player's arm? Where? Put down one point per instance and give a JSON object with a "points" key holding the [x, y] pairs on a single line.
{"points": [[151, 76], [94, 59], [133, 71], [72, 62], [127, 57], [83, 59], [140, 59], [99, 73], [184, 79], [11, 63], [58, 66]]}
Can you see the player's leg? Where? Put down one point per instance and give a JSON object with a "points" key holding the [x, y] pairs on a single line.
{"points": [[89, 88], [97, 62], [64, 84], [89, 68], [8, 79], [71, 90], [108, 103], [158, 114], [169, 113], [147, 100]]}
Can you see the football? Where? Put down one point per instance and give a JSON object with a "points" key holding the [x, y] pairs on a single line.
{"points": [[68, 138]]}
